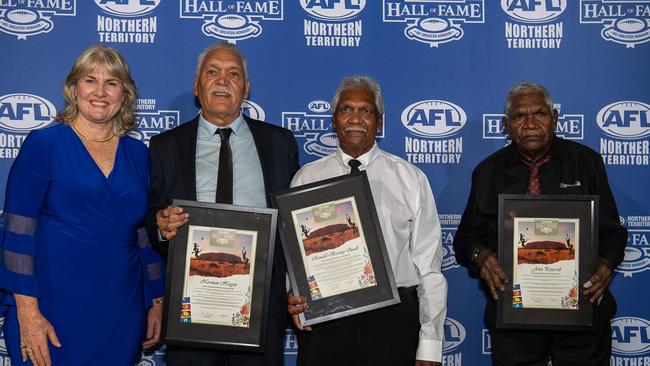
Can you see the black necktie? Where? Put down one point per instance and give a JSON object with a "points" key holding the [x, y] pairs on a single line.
{"points": [[354, 165], [224, 178]]}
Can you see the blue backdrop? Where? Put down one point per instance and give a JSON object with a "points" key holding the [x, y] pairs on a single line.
{"points": [[444, 67]]}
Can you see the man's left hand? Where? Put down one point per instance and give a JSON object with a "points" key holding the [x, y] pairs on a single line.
{"points": [[599, 281], [427, 363]]}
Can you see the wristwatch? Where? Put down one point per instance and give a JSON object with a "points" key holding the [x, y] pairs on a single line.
{"points": [[474, 258]]}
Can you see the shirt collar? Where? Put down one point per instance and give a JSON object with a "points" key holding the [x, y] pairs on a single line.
{"points": [[365, 159], [208, 129]]}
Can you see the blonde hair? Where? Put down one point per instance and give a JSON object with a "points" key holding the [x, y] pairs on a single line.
{"points": [[116, 66]]}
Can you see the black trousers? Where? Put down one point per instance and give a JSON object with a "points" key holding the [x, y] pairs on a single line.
{"points": [[387, 336], [516, 347], [273, 354]]}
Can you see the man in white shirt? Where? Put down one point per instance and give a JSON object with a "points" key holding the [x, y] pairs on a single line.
{"points": [[410, 333]]}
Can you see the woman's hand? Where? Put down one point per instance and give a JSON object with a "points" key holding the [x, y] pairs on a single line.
{"points": [[154, 324], [35, 331]]}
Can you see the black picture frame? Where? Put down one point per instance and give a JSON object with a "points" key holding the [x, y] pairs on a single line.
{"points": [[261, 223], [579, 212], [347, 188]]}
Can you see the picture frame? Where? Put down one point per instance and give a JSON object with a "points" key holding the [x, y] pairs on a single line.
{"points": [[219, 277], [334, 248], [548, 246]]}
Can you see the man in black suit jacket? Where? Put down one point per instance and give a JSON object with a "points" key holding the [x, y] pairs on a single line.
{"points": [[538, 162], [221, 84]]}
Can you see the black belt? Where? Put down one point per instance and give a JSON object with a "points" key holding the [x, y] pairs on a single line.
{"points": [[403, 291]]}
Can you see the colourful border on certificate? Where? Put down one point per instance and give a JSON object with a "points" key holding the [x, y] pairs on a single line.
{"points": [[545, 265], [333, 248], [219, 272]]}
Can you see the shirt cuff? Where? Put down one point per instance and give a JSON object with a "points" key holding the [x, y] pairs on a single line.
{"points": [[429, 350]]}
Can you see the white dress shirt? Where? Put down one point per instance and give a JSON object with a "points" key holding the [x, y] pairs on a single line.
{"points": [[409, 221]]}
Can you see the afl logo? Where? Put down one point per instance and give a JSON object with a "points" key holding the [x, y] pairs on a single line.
{"points": [[630, 336], [25, 112], [146, 361], [319, 106], [253, 110], [433, 118], [454, 335], [625, 120], [335, 10], [3, 347], [533, 11], [128, 8]]}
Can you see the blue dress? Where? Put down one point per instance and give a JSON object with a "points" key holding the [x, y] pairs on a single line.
{"points": [[72, 238]]}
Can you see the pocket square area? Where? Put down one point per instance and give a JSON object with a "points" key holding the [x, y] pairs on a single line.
{"points": [[566, 185]]}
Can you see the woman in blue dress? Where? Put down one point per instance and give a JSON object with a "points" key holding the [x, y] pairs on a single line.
{"points": [[77, 270]]}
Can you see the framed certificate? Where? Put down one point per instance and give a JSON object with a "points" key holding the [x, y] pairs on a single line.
{"points": [[218, 277], [334, 248], [547, 248]]}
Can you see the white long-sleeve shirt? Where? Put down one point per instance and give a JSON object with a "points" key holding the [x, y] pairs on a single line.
{"points": [[409, 221]]}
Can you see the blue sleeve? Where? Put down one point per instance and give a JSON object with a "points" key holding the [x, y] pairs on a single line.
{"points": [[27, 187], [152, 267], [151, 260]]}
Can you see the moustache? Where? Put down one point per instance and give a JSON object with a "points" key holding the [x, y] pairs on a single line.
{"points": [[221, 90], [355, 129]]}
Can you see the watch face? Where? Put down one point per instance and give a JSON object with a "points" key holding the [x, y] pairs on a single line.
{"points": [[475, 253]]}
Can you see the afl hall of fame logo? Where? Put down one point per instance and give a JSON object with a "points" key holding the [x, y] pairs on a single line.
{"points": [[433, 22], [569, 126], [232, 21], [24, 18], [314, 129], [623, 21]]}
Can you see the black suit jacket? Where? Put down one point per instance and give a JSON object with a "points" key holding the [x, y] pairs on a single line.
{"points": [[173, 175], [572, 169], [173, 166]]}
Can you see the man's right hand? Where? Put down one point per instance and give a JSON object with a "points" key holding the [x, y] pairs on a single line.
{"points": [[492, 272], [169, 220], [295, 306]]}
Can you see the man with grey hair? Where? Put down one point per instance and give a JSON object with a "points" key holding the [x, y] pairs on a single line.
{"points": [[539, 162], [226, 157], [410, 333]]}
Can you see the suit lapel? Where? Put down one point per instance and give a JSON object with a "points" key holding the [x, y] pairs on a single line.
{"points": [[263, 153], [187, 157]]}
